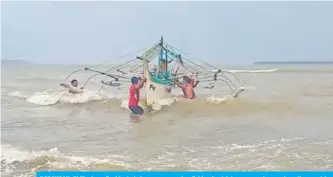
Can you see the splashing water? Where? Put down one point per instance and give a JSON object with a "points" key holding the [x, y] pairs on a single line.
{"points": [[50, 98]]}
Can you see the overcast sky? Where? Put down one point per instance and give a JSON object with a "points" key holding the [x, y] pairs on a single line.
{"points": [[233, 32]]}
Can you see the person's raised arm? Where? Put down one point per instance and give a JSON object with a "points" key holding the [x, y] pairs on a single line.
{"points": [[65, 85], [195, 83], [141, 83], [192, 82], [72, 89], [76, 90], [180, 85]]}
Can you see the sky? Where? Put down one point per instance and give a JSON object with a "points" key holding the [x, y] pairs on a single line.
{"points": [[217, 32]]}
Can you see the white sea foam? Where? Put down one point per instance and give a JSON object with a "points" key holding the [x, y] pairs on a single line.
{"points": [[255, 70], [12, 157], [50, 97]]}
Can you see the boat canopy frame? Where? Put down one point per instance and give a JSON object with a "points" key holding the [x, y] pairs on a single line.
{"points": [[167, 53]]}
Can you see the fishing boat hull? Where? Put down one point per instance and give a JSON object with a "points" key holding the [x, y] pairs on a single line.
{"points": [[154, 91]]}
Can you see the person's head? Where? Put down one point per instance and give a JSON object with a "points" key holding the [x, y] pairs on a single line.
{"points": [[134, 80], [74, 83], [139, 78], [186, 79], [189, 80]]}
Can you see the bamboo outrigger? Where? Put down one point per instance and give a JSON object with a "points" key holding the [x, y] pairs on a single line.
{"points": [[161, 75]]}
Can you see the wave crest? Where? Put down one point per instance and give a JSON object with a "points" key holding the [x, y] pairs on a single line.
{"points": [[31, 161]]}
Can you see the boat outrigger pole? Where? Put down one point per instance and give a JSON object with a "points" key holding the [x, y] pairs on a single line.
{"points": [[103, 73], [115, 77], [165, 61]]}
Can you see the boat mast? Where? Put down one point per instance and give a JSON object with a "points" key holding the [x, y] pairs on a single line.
{"points": [[160, 56], [166, 62]]}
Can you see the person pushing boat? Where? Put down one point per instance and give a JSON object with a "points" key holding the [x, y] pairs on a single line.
{"points": [[194, 81], [73, 88], [187, 86], [134, 97]]}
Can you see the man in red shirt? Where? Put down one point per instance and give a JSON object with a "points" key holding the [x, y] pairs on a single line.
{"points": [[134, 96]]}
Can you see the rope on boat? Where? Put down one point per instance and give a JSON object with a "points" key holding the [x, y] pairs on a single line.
{"points": [[151, 53], [115, 77], [210, 65], [129, 54], [72, 74], [222, 71], [123, 56]]}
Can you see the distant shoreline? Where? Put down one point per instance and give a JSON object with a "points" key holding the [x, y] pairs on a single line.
{"points": [[293, 62], [4, 61]]}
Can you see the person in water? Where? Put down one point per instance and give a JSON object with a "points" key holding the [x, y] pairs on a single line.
{"points": [[192, 79], [73, 88], [188, 87], [194, 82], [134, 96]]}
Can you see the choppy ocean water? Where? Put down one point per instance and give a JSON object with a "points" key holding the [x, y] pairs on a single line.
{"points": [[283, 121]]}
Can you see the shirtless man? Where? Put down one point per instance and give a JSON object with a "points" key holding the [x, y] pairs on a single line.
{"points": [[188, 87], [73, 88]]}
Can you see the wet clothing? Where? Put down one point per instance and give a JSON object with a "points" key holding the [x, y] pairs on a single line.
{"points": [[134, 96], [136, 109], [134, 100]]}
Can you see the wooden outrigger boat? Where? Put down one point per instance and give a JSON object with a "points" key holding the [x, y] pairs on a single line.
{"points": [[161, 65]]}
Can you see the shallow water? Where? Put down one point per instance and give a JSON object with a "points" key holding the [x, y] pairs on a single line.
{"points": [[283, 121]]}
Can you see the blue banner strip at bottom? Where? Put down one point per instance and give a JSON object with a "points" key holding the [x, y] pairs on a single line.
{"points": [[182, 174]]}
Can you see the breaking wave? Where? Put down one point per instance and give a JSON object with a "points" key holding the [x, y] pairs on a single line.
{"points": [[28, 162], [255, 71], [205, 105], [158, 105], [36, 79], [18, 94], [279, 154], [50, 98], [306, 70], [286, 70]]}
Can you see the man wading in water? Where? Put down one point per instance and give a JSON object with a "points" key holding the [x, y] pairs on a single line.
{"points": [[187, 87], [134, 97], [73, 88]]}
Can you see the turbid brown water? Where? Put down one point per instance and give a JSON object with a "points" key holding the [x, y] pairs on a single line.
{"points": [[283, 121]]}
